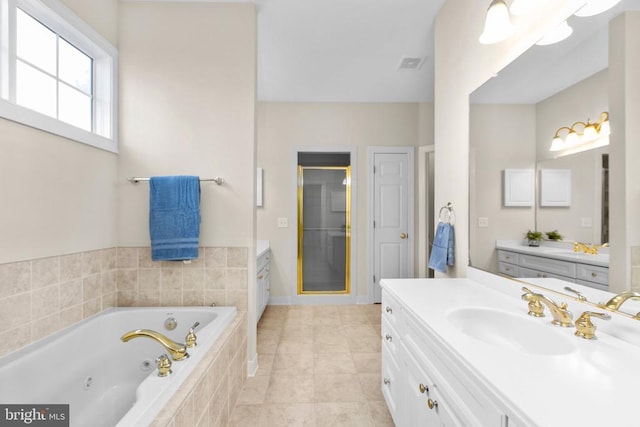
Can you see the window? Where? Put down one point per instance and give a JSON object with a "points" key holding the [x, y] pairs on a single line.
{"points": [[56, 73]]}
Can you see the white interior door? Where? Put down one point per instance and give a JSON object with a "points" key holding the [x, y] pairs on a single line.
{"points": [[392, 217]]}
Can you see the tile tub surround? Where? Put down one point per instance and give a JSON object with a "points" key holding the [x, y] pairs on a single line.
{"points": [[318, 366], [218, 276], [208, 396], [41, 296]]}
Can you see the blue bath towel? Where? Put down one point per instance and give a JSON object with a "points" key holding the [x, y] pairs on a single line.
{"points": [[442, 249], [174, 217]]}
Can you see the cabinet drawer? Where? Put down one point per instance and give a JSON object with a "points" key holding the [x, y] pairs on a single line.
{"points": [[390, 338], [508, 269], [593, 273], [391, 310], [390, 383], [263, 260], [593, 285], [548, 265], [474, 405], [506, 256], [528, 272]]}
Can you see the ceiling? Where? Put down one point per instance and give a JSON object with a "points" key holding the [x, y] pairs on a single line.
{"points": [[345, 51], [543, 71]]}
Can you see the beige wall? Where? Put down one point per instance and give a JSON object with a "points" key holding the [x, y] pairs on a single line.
{"points": [[187, 97], [58, 196], [502, 137], [624, 81], [462, 64], [187, 106], [283, 127]]}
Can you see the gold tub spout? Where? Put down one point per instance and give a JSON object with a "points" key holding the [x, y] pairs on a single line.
{"points": [[615, 302], [178, 351]]}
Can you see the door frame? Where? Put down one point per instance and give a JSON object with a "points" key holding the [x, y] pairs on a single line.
{"points": [[371, 152], [425, 211], [311, 299]]}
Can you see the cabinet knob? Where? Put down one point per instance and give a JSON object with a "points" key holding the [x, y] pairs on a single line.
{"points": [[389, 310], [432, 404], [386, 381], [260, 277], [403, 235], [423, 389], [594, 274], [388, 337]]}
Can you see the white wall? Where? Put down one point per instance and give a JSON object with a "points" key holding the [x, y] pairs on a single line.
{"points": [[282, 127], [502, 137], [58, 196]]}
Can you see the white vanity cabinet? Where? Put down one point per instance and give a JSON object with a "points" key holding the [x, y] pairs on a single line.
{"points": [[516, 264], [263, 287], [420, 383]]}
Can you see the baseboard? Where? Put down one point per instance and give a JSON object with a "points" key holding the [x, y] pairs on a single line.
{"points": [[363, 299], [252, 366], [279, 301]]}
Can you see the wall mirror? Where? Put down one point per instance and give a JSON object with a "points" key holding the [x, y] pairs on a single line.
{"points": [[513, 118]]}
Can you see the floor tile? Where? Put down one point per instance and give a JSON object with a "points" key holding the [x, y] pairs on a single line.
{"points": [[337, 388], [346, 414], [297, 388], [246, 415], [288, 414]]}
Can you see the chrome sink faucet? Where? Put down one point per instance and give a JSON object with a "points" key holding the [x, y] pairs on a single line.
{"points": [[561, 316], [176, 350]]}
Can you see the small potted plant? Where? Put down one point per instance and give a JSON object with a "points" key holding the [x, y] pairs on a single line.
{"points": [[534, 237], [554, 235]]}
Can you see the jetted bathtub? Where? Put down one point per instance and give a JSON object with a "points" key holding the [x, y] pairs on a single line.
{"points": [[105, 381]]}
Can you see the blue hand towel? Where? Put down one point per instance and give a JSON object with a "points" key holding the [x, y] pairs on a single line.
{"points": [[440, 249], [174, 217], [450, 248]]}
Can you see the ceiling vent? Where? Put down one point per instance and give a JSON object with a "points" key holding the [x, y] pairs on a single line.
{"points": [[409, 63]]}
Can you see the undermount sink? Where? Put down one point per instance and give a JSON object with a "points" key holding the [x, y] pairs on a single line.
{"points": [[510, 331]]}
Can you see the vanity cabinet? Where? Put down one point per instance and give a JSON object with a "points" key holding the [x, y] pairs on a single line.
{"points": [[263, 287], [524, 265], [420, 383]]}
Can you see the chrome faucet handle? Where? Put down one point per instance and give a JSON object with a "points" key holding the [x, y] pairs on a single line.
{"points": [[585, 328], [578, 294], [191, 337], [164, 365]]}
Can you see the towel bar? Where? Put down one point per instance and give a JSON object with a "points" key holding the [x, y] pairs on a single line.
{"points": [[218, 180]]}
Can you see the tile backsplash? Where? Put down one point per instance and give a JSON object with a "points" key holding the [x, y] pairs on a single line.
{"points": [[41, 296]]}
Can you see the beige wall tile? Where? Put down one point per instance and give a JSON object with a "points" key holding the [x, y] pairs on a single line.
{"points": [[45, 272], [215, 278], [15, 311], [109, 281], [144, 259], [45, 326], [193, 298], [91, 287], [70, 293], [91, 307], [149, 297], [127, 280], [70, 315], [193, 278], [13, 339], [127, 258], [70, 267], [215, 257], [109, 259], [45, 302], [171, 279], [15, 278], [149, 279], [237, 257], [91, 262]]}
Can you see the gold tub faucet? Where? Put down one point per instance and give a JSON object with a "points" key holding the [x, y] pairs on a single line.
{"points": [[176, 350], [561, 316], [615, 302]]}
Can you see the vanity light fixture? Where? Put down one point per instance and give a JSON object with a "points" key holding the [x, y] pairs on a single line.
{"points": [[594, 7], [556, 35], [582, 136], [497, 25], [520, 7]]}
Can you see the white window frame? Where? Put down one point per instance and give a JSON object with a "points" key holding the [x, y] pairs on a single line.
{"points": [[60, 19]]}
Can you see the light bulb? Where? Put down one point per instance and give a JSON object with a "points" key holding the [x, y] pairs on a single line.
{"points": [[556, 35], [497, 25], [557, 144]]}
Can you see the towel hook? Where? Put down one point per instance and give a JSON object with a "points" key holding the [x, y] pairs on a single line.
{"points": [[449, 213]]}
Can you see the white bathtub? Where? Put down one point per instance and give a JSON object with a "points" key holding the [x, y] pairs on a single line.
{"points": [[105, 381]]}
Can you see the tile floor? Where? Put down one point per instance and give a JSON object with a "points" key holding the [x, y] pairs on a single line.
{"points": [[319, 366]]}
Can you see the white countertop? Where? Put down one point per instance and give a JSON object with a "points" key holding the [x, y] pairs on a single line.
{"points": [[560, 250], [592, 385], [261, 247]]}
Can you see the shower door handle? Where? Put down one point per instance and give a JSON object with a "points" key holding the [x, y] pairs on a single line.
{"points": [[403, 235]]}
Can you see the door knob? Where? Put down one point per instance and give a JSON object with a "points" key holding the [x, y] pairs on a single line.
{"points": [[403, 235]]}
